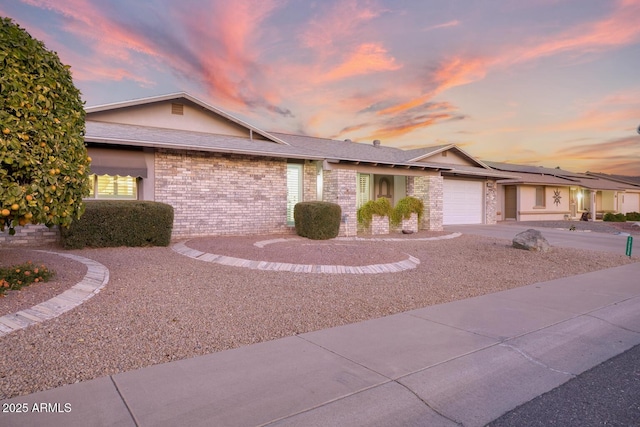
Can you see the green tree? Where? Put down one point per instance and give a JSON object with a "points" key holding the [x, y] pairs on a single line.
{"points": [[44, 167]]}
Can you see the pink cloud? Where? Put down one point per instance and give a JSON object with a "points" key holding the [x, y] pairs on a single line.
{"points": [[338, 24], [110, 58], [222, 40], [453, 72], [619, 29], [628, 145], [367, 58]]}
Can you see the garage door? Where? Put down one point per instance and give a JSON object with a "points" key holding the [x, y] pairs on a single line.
{"points": [[630, 202], [463, 202]]}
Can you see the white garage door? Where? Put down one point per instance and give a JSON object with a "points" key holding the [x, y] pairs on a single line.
{"points": [[463, 202], [630, 202]]}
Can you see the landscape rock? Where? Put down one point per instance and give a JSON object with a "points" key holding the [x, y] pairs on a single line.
{"points": [[531, 240]]}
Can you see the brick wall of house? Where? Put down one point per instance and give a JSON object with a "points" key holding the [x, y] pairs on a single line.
{"points": [[310, 189], [216, 194], [30, 235], [340, 187]]}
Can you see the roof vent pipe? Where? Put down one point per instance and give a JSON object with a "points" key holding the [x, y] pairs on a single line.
{"points": [[376, 143], [347, 140]]}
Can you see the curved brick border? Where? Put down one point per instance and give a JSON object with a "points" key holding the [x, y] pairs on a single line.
{"points": [[96, 278], [263, 243], [407, 264], [410, 263]]}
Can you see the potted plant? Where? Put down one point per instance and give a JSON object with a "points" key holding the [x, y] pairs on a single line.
{"points": [[374, 215], [407, 214]]}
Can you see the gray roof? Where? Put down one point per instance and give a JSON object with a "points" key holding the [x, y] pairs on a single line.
{"points": [[547, 176], [270, 144], [145, 136], [354, 151], [300, 147], [508, 167], [634, 180]]}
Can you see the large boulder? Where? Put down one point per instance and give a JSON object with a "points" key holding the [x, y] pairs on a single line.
{"points": [[531, 240]]}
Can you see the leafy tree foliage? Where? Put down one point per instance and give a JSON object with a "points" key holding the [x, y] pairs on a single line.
{"points": [[44, 167]]}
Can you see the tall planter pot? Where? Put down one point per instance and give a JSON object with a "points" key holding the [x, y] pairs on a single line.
{"points": [[411, 224], [379, 225]]}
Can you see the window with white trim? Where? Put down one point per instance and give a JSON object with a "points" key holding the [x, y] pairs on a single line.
{"points": [[540, 197], [294, 189], [364, 188], [113, 187]]}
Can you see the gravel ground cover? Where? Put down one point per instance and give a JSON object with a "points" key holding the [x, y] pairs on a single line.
{"points": [[160, 306], [68, 273]]}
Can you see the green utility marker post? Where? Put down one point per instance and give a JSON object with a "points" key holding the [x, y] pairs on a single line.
{"points": [[629, 246]]}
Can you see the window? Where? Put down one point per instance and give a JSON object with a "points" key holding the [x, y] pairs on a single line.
{"points": [[364, 188], [294, 189], [113, 187], [540, 197]]}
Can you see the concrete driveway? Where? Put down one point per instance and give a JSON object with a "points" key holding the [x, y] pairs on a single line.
{"points": [[607, 242]]}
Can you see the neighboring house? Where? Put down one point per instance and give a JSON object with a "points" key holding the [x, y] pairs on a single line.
{"points": [[553, 194], [225, 176]]}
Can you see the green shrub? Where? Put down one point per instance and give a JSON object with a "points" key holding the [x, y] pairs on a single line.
{"points": [[380, 207], [633, 216], [19, 276], [405, 207], [611, 217], [112, 223], [317, 220]]}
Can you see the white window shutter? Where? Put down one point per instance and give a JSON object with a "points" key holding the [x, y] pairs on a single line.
{"points": [[364, 188], [294, 189]]}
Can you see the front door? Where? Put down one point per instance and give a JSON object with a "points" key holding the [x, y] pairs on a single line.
{"points": [[510, 202]]}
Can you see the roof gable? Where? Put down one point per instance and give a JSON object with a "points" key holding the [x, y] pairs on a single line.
{"points": [[178, 111], [449, 154]]}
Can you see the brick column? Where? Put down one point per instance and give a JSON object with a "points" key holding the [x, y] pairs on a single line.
{"points": [[339, 186], [491, 202], [430, 190]]}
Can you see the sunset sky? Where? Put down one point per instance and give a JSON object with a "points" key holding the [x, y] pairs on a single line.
{"points": [[544, 82]]}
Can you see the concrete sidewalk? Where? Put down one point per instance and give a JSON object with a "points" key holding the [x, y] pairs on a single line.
{"points": [[461, 363]]}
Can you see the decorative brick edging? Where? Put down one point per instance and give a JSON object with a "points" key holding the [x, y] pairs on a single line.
{"points": [[410, 263], [396, 239], [96, 278], [262, 243]]}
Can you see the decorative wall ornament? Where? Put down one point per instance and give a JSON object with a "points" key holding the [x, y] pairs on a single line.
{"points": [[556, 197]]}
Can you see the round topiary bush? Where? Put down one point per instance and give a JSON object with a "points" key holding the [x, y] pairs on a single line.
{"points": [[44, 167], [317, 220]]}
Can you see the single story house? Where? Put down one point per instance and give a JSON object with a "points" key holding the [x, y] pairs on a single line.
{"points": [[540, 193], [225, 176]]}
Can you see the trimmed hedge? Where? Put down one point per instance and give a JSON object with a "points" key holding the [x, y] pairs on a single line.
{"points": [[112, 223], [317, 220], [633, 216], [611, 217]]}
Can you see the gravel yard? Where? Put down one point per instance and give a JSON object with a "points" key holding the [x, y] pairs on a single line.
{"points": [[161, 306]]}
